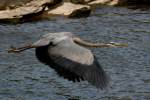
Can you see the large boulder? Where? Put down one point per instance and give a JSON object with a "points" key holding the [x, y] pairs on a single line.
{"points": [[24, 8], [71, 10]]}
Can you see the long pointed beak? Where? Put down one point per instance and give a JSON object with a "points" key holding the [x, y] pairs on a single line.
{"points": [[100, 45], [20, 49]]}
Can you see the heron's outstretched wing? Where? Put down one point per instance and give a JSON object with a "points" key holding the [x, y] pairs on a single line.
{"points": [[79, 62]]}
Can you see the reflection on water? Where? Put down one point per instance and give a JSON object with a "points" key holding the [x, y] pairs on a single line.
{"points": [[22, 77]]}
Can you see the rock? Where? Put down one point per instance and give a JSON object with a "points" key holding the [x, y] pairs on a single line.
{"points": [[19, 12], [71, 10], [35, 9], [27, 9], [103, 2], [118, 2], [79, 1], [97, 2], [10, 4]]}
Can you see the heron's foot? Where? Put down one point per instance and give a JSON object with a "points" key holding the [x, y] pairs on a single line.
{"points": [[13, 49], [114, 44]]}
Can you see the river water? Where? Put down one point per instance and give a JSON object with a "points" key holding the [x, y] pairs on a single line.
{"points": [[23, 77]]}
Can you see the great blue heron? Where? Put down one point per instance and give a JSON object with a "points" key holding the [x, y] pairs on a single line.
{"points": [[67, 55]]}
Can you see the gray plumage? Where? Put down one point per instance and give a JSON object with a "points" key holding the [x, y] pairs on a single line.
{"points": [[70, 60], [67, 55]]}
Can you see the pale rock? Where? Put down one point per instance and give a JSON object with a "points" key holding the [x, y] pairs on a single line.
{"points": [[70, 9]]}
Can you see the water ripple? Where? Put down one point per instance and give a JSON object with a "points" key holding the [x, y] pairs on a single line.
{"points": [[22, 77]]}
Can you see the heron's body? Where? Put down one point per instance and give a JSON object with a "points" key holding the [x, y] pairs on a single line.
{"points": [[73, 62]]}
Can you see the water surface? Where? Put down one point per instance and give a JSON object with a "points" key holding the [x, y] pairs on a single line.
{"points": [[23, 77]]}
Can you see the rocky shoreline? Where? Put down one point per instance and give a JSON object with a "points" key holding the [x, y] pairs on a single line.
{"points": [[22, 10]]}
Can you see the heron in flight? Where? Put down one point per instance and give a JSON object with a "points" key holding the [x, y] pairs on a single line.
{"points": [[69, 57]]}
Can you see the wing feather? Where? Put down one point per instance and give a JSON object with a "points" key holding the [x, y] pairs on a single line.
{"points": [[43, 56], [80, 61]]}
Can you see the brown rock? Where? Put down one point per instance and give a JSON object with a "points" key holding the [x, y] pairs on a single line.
{"points": [[30, 8], [71, 10], [10, 4], [79, 1], [104, 2]]}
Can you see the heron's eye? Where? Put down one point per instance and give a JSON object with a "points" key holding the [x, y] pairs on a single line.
{"points": [[52, 44]]}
